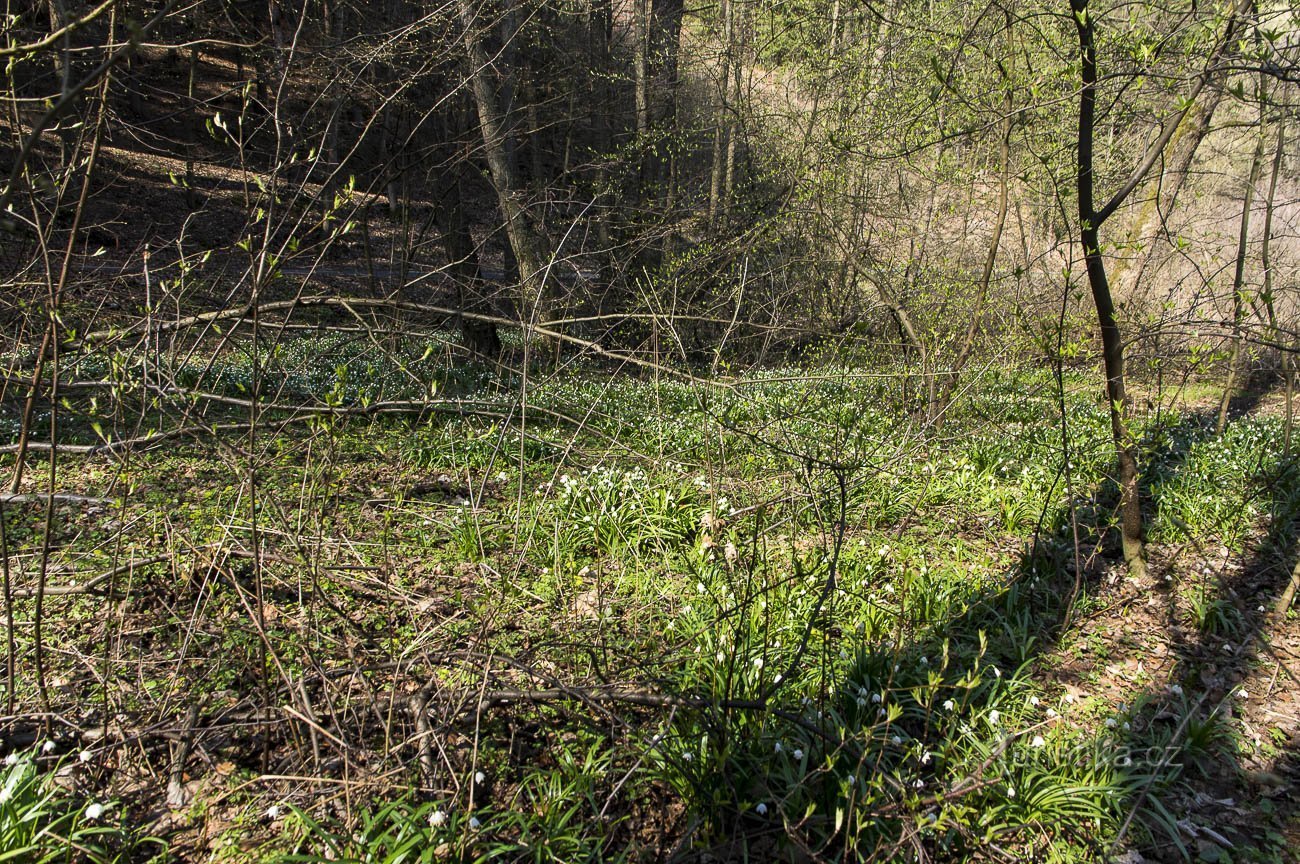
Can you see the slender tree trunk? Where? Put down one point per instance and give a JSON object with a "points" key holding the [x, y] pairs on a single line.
{"points": [[641, 64], [1266, 260], [601, 29], [191, 191], [723, 124], [665, 70], [60, 58], [739, 27], [1238, 279], [1112, 341]]}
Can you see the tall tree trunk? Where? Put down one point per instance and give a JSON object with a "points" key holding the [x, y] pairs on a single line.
{"points": [[1238, 277], [1112, 341], [723, 123], [61, 61], [600, 26], [191, 183], [525, 242], [641, 64], [1284, 344], [740, 31]]}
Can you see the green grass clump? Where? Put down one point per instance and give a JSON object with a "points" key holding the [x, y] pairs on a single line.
{"points": [[41, 822]]}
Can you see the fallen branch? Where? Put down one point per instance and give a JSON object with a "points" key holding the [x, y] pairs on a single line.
{"points": [[93, 583], [349, 304]]}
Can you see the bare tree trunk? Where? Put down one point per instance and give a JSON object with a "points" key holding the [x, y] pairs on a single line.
{"points": [[1112, 341], [601, 29], [1238, 279], [525, 242], [60, 58], [723, 124], [1266, 260], [480, 337], [641, 64], [739, 27], [191, 183]]}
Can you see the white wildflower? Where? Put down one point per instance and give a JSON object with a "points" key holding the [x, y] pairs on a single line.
{"points": [[474, 823], [761, 809], [273, 812], [798, 755], [480, 778], [1176, 689], [437, 818], [85, 756], [48, 747], [94, 811], [948, 705], [1037, 742]]}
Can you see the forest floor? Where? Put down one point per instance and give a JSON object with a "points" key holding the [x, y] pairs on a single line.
{"points": [[774, 617]]}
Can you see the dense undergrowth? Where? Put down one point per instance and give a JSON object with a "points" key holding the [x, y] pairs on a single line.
{"points": [[772, 616]]}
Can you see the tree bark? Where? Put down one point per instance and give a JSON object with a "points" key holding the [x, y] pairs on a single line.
{"points": [[1112, 341], [477, 335], [525, 241], [722, 128], [1266, 261], [1238, 281]]}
